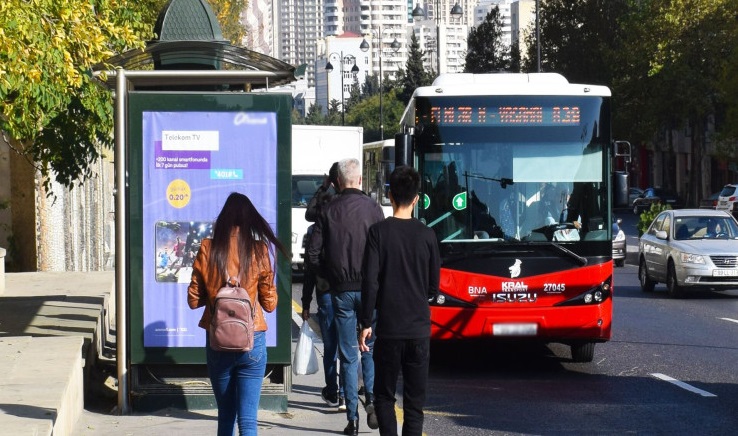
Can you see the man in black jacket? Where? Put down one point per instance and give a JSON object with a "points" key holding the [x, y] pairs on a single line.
{"points": [[340, 233], [332, 393], [401, 272]]}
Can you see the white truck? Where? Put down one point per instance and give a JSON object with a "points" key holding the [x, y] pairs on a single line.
{"points": [[314, 150]]}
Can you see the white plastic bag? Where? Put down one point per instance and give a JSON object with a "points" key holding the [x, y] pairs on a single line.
{"points": [[306, 359]]}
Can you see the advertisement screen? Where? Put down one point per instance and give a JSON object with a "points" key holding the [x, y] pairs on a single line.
{"points": [[191, 162]]}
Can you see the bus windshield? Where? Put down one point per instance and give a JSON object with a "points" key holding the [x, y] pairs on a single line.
{"points": [[514, 169]]}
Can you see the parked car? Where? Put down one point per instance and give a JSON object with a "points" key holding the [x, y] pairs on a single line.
{"points": [[634, 193], [710, 202], [655, 195], [619, 244], [689, 249], [728, 200]]}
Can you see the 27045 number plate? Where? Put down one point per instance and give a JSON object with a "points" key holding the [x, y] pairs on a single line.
{"points": [[515, 329], [725, 273]]}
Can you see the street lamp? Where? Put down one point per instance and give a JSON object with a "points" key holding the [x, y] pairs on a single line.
{"points": [[395, 46], [419, 12], [354, 71]]}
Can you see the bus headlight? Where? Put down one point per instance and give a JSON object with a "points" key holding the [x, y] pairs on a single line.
{"points": [[448, 301], [595, 295]]}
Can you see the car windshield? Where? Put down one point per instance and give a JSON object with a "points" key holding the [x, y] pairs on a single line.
{"points": [[303, 188], [704, 227]]}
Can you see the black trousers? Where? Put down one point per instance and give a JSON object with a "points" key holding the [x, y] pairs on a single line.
{"points": [[392, 357]]}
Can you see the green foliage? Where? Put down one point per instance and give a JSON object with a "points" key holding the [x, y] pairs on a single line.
{"points": [[414, 75], [296, 117], [51, 109], [485, 52], [315, 115], [366, 114], [578, 39], [647, 216]]}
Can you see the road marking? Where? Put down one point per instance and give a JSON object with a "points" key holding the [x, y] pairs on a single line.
{"points": [[683, 385], [729, 319]]}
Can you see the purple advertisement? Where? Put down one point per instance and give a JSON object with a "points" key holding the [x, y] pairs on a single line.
{"points": [[192, 161]]}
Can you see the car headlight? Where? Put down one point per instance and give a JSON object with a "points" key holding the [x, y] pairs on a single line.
{"points": [[620, 236], [691, 258]]}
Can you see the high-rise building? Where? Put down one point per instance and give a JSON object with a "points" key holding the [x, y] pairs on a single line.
{"points": [[522, 22], [258, 18], [440, 29], [301, 25], [382, 23], [343, 53], [485, 6]]}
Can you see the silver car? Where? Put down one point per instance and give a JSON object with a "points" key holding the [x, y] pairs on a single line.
{"points": [[689, 249]]}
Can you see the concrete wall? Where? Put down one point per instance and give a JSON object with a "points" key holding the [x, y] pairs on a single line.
{"points": [[71, 230]]}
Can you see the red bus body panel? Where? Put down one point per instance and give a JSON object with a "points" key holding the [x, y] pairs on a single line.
{"points": [[535, 298]]}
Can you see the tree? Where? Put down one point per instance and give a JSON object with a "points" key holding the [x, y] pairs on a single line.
{"points": [[315, 115], [51, 109], [579, 39], [679, 51], [229, 13], [365, 113], [485, 52], [414, 75]]}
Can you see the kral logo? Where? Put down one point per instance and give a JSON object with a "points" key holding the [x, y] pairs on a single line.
{"points": [[514, 287]]}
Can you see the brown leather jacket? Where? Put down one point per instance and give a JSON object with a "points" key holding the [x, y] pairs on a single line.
{"points": [[259, 284]]}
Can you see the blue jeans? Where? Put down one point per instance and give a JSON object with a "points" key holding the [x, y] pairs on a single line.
{"points": [[236, 379], [346, 305], [328, 330]]}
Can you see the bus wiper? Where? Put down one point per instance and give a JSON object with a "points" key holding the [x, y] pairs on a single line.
{"points": [[455, 255], [582, 260], [504, 181]]}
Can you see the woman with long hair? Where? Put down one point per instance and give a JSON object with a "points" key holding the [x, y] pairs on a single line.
{"points": [[242, 247]]}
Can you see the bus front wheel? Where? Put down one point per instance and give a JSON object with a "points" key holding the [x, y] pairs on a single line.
{"points": [[583, 352]]}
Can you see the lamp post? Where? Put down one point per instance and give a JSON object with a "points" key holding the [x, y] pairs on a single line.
{"points": [[538, 33], [419, 12], [364, 46], [354, 71]]}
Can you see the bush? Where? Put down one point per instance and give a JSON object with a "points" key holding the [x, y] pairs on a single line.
{"points": [[647, 216]]}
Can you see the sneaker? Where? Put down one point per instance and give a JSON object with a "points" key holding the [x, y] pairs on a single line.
{"points": [[341, 404], [331, 398], [371, 416]]}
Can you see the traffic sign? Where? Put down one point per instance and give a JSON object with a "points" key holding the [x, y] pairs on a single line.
{"points": [[459, 201]]}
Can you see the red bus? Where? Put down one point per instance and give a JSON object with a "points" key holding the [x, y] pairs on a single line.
{"points": [[516, 184]]}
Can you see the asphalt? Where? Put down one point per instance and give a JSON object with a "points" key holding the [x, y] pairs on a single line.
{"points": [[57, 368]]}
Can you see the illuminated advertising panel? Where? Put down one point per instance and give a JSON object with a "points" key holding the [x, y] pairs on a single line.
{"points": [[188, 162]]}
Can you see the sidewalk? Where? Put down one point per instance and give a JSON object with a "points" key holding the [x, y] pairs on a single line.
{"points": [[52, 323], [48, 325], [306, 414]]}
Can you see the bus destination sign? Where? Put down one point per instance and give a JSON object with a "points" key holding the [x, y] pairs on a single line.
{"points": [[545, 116]]}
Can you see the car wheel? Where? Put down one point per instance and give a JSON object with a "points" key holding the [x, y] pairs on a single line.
{"points": [[672, 285], [635, 210], [620, 263], [583, 352], [647, 284]]}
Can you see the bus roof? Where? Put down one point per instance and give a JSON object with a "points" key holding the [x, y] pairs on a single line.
{"points": [[467, 84]]}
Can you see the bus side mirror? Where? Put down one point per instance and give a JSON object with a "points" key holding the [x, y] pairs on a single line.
{"points": [[403, 149]]}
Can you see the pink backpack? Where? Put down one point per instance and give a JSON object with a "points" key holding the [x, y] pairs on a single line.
{"points": [[232, 321]]}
